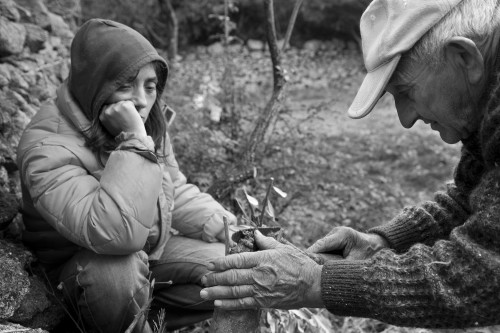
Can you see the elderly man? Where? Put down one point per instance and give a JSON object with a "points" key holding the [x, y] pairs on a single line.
{"points": [[436, 264]]}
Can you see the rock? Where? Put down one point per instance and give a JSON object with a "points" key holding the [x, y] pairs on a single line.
{"points": [[59, 27], [215, 49], [24, 299], [35, 12], [38, 310], [8, 108], [4, 75], [255, 45], [35, 37], [8, 9], [12, 37], [16, 328], [312, 45], [17, 80], [14, 282]]}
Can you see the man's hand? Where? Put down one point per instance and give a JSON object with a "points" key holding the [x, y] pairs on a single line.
{"points": [[122, 117], [353, 245], [280, 276]]}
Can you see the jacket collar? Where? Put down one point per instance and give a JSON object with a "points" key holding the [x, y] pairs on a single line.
{"points": [[68, 106]]}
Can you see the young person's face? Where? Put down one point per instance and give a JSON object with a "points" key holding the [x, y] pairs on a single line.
{"points": [[140, 90]]}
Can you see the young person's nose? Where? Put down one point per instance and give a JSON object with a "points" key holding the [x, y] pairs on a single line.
{"points": [[139, 98]]}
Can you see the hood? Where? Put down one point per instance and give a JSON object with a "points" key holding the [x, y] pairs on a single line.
{"points": [[103, 54]]}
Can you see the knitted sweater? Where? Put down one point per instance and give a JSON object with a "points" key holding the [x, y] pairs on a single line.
{"points": [[443, 265]]}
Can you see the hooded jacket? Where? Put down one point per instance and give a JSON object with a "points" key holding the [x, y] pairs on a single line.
{"points": [[70, 200]]}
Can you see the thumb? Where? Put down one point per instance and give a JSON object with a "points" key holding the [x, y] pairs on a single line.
{"points": [[265, 243], [327, 244]]}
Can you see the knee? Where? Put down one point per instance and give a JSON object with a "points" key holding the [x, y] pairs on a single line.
{"points": [[108, 276]]}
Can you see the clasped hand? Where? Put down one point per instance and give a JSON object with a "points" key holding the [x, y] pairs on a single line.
{"points": [[122, 117], [279, 276]]}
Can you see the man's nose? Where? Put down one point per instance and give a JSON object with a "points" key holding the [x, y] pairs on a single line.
{"points": [[407, 115]]}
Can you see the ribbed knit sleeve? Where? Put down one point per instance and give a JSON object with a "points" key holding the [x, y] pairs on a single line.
{"points": [[454, 283], [427, 222], [434, 220]]}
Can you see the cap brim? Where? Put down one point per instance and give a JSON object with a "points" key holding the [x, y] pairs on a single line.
{"points": [[372, 88]]}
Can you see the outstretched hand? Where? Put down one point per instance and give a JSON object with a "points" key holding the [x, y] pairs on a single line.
{"points": [[353, 245], [279, 276]]}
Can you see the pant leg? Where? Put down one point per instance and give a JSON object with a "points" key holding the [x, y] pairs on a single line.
{"points": [[184, 262], [107, 291]]}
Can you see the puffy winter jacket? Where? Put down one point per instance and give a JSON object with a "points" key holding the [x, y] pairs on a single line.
{"points": [[71, 201]]}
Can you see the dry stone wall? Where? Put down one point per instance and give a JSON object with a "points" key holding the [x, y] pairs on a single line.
{"points": [[34, 60]]}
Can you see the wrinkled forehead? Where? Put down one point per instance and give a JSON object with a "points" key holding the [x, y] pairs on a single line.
{"points": [[407, 72]]}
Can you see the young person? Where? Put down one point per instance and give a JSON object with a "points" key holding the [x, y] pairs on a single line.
{"points": [[103, 193]]}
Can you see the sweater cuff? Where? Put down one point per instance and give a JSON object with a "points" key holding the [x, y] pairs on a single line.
{"points": [[343, 289], [404, 230]]}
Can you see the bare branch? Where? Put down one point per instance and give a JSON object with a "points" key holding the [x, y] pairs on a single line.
{"points": [[291, 24]]}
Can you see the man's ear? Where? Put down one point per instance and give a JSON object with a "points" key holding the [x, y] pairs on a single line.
{"points": [[463, 53]]}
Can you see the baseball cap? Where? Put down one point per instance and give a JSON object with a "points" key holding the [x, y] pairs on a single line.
{"points": [[388, 29]]}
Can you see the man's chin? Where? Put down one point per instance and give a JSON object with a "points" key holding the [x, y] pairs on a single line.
{"points": [[450, 138]]}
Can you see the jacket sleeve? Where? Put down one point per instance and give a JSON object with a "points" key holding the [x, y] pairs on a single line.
{"points": [[112, 215], [196, 214], [454, 283]]}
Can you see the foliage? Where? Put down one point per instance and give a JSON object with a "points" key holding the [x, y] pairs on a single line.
{"points": [[198, 23]]}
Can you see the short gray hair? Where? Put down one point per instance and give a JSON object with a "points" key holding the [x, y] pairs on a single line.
{"points": [[473, 19]]}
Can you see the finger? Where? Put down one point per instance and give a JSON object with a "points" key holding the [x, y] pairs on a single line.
{"points": [[225, 292], [236, 304], [240, 260], [231, 277], [328, 243], [265, 243]]}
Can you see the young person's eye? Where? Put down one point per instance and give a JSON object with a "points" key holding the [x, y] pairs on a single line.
{"points": [[151, 87], [124, 87]]}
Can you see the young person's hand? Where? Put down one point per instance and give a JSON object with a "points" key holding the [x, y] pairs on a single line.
{"points": [[122, 117]]}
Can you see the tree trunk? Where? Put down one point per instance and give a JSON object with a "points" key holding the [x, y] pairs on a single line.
{"points": [[173, 28]]}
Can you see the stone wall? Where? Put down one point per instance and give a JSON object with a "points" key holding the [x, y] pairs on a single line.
{"points": [[34, 59]]}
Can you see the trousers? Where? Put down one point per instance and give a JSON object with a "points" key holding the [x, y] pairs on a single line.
{"points": [[107, 292]]}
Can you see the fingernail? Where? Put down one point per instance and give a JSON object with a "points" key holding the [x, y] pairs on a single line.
{"points": [[217, 303], [203, 294], [210, 266], [204, 280]]}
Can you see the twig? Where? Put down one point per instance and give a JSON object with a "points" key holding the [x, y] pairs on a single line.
{"points": [[291, 24], [226, 22], [47, 66], [266, 199], [226, 233], [143, 312], [17, 330]]}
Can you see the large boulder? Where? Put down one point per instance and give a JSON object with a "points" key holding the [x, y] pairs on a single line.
{"points": [[24, 298], [14, 281]]}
